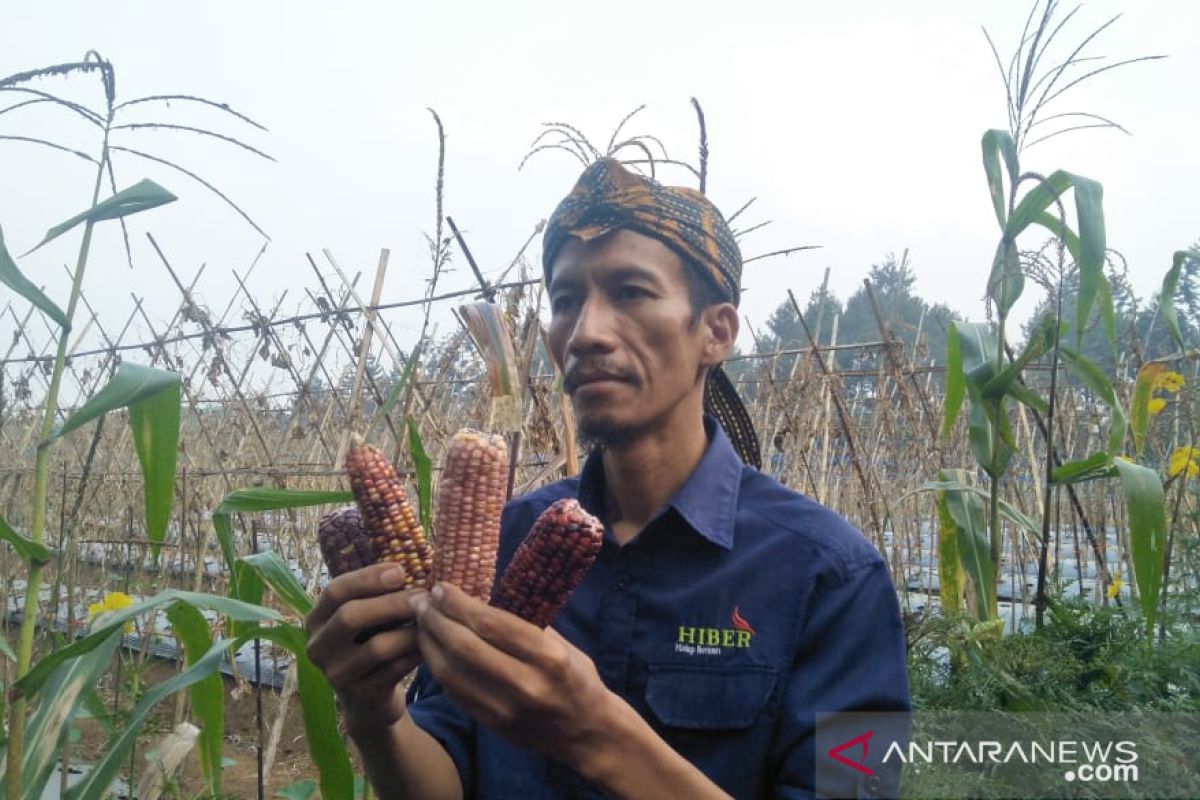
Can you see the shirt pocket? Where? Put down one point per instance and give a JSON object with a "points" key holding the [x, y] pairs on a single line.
{"points": [[708, 698]]}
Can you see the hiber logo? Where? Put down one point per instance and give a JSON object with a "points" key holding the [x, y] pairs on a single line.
{"points": [[695, 640]]}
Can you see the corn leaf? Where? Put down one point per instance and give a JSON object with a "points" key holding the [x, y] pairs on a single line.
{"points": [[1166, 297], [1095, 379], [94, 785], [1007, 280], [956, 386], [965, 509], [1093, 285], [154, 421], [1139, 411], [1147, 532], [130, 384], [951, 579], [1052, 223], [207, 694], [270, 568], [27, 549], [35, 679], [1040, 342], [424, 469], [66, 686], [1099, 465], [317, 704], [142, 196], [1007, 510], [1035, 201], [996, 143], [16, 280], [396, 392], [6, 650]]}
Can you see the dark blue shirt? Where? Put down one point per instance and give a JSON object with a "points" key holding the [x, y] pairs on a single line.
{"points": [[737, 615]]}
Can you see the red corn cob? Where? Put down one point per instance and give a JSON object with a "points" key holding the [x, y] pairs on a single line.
{"points": [[550, 563]]}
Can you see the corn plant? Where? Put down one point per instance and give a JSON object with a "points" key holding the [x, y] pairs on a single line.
{"points": [[982, 368], [63, 679]]}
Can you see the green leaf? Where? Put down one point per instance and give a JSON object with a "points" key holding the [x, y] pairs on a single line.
{"points": [[1040, 342], [207, 694], [978, 344], [251, 500], [130, 384], [272, 570], [424, 469], [14, 279], [154, 421], [94, 785], [1139, 412], [956, 386], [1166, 297], [1089, 210], [35, 679], [1098, 382], [951, 579], [142, 196], [1147, 532], [242, 584], [50, 725], [317, 703], [1007, 280], [27, 549], [966, 511], [396, 391], [995, 143], [1098, 465], [6, 650], [1007, 510], [1052, 223], [1035, 201]]}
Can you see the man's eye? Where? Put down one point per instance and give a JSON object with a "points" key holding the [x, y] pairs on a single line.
{"points": [[562, 303], [631, 292]]}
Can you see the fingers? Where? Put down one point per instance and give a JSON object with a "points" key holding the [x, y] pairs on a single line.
{"points": [[385, 656], [352, 631], [500, 629], [366, 582]]}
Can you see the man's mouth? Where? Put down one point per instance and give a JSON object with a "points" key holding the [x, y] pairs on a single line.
{"points": [[580, 378]]}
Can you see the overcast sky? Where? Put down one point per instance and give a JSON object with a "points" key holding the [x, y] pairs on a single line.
{"points": [[856, 125]]}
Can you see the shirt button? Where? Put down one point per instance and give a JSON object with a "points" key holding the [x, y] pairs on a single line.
{"points": [[622, 583]]}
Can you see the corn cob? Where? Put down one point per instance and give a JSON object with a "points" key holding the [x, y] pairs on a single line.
{"points": [[345, 543], [471, 495], [549, 563], [396, 534]]}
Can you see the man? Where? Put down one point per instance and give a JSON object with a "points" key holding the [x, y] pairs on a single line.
{"points": [[724, 611]]}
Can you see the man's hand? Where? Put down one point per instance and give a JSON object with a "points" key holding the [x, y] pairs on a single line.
{"points": [[530, 685], [361, 635]]}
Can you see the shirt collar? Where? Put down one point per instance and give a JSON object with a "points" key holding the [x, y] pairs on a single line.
{"points": [[707, 501]]}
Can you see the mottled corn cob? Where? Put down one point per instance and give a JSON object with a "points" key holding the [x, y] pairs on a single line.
{"points": [[396, 533], [550, 563], [345, 543], [471, 495]]}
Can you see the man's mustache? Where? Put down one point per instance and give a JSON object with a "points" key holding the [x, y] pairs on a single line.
{"points": [[582, 372]]}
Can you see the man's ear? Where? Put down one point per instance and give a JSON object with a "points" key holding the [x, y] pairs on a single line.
{"points": [[720, 323]]}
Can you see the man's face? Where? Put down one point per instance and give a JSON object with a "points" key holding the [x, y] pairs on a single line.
{"points": [[622, 331]]}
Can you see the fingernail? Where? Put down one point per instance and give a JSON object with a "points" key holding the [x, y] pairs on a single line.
{"points": [[392, 578], [438, 592], [419, 602]]}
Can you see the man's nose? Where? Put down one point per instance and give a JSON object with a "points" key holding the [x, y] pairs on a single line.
{"points": [[593, 330]]}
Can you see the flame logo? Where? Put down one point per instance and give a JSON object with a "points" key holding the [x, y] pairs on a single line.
{"points": [[740, 623]]}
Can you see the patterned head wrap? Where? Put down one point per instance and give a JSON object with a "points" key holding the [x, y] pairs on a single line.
{"points": [[608, 197]]}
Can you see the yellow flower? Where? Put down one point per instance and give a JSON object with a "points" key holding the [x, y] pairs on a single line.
{"points": [[1156, 405], [1184, 459], [114, 601], [1114, 588], [1169, 381]]}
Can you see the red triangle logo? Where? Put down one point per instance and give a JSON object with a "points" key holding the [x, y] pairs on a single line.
{"points": [[836, 753]]}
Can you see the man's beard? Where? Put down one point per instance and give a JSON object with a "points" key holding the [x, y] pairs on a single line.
{"points": [[605, 433]]}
